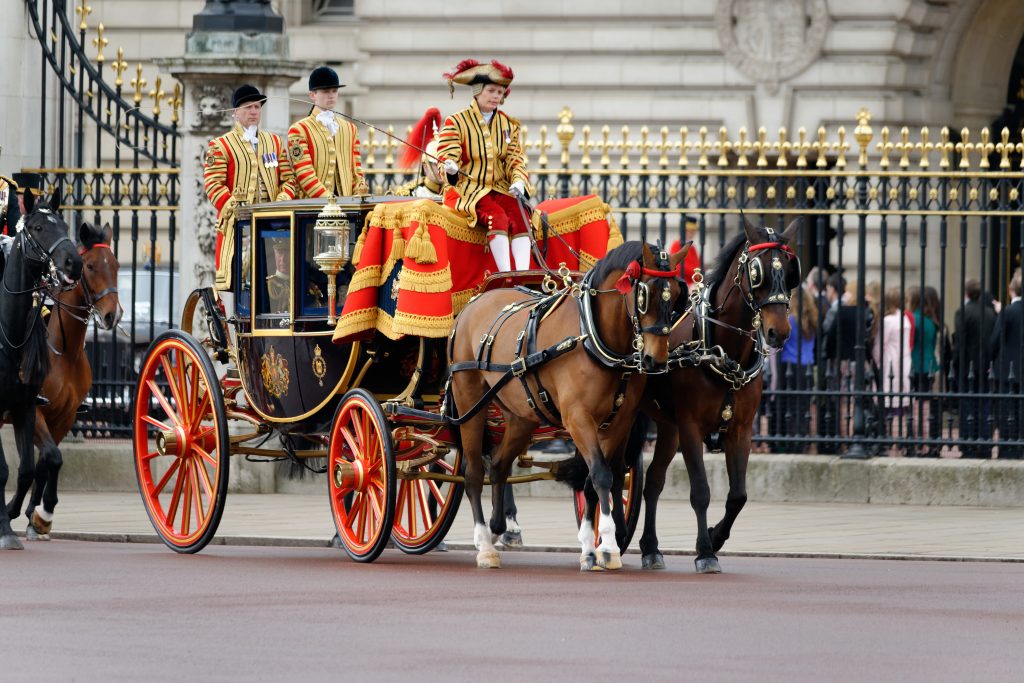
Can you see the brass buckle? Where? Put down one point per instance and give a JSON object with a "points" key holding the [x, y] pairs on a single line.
{"points": [[518, 367]]}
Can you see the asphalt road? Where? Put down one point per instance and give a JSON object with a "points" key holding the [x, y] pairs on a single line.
{"points": [[96, 611]]}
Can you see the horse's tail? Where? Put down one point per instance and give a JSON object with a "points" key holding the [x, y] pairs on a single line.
{"points": [[573, 472], [636, 439]]}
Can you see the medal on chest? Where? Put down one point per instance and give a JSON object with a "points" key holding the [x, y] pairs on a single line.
{"points": [[270, 159]]}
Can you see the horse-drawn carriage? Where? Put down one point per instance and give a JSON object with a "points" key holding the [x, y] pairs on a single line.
{"points": [[280, 377]]}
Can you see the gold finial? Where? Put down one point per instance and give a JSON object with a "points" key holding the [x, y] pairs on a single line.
{"points": [[644, 145], [884, 147], [119, 66], [1005, 147], [524, 137], [924, 147], [83, 10], [684, 146], [985, 147], [663, 148], [904, 146], [801, 147], [863, 133], [544, 145], [158, 95], [605, 145], [175, 102], [841, 148], [821, 148], [742, 148], [723, 146], [761, 146], [586, 145], [138, 83], [945, 146], [565, 132], [782, 147], [625, 145], [99, 42], [371, 145], [389, 147], [964, 148], [703, 147]]}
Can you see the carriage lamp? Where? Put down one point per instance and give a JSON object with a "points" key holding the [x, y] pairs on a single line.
{"points": [[331, 244]]}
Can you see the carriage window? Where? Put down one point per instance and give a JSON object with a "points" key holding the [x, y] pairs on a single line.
{"points": [[243, 268], [313, 281], [273, 273]]}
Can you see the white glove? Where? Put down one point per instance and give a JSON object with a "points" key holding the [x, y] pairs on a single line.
{"points": [[518, 189], [450, 167]]}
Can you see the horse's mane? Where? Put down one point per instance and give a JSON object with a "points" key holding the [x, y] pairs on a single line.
{"points": [[617, 259], [724, 260], [35, 357]]}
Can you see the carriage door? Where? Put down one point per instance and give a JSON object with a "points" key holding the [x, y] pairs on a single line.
{"points": [[273, 279]]}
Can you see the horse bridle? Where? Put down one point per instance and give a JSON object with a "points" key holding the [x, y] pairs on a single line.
{"points": [[51, 279]]}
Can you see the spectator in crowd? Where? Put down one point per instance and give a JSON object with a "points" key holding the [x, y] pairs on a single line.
{"points": [[1007, 351], [924, 363], [792, 412], [973, 327], [891, 355]]}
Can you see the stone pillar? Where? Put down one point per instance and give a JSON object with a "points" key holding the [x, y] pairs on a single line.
{"points": [[215, 63]]}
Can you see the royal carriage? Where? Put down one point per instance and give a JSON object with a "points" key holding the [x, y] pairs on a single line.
{"points": [[333, 349]]}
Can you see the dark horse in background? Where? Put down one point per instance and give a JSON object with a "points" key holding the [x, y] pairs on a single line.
{"points": [[581, 365], [70, 376], [41, 257], [744, 307]]}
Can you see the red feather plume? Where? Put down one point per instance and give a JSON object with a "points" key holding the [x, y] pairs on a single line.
{"points": [[505, 71], [460, 67], [419, 137]]}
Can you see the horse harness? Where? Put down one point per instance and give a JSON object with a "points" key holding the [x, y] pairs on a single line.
{"points": [[82, 313], [701, 351], [528, 359]]}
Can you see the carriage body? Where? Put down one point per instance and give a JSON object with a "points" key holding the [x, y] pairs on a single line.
{"points": [[369, 402]]}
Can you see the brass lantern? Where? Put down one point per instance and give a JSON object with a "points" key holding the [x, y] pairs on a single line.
{"points": [[332, 249]]}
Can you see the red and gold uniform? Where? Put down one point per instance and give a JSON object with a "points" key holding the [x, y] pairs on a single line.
{"points": [[326, 163], [239, 172]]}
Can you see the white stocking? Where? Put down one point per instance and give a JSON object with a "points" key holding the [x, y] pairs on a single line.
{"points": [[499, 250], [521, 251]]}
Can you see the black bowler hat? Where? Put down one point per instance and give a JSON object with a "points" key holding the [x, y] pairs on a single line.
{"points": [[28, 182], [324, 77], [246, 94]]}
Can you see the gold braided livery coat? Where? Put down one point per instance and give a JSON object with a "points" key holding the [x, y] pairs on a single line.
{"points": [[325, 165], [490, 154], [235, 173]]}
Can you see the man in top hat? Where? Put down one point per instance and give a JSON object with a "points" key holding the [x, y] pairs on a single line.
{"points": [[324, 148], [482, 157], [246, 165], [421, 148]]}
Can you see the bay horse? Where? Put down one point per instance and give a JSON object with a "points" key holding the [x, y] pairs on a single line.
{"points": [[581, 358], [713, 392], [70, 377], [42, 257]]}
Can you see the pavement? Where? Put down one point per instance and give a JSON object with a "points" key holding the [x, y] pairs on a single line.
{"points": [[768, 529]]}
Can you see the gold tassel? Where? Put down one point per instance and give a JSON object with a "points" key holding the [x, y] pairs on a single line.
{"points": [[614, 236], [420, 249], [414, 246], [358, 251]]}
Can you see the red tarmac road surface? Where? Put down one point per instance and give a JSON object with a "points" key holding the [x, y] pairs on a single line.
{"points": [[137, 612]]}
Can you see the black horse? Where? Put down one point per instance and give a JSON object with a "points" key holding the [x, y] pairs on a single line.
{"points": [[41, 257]]}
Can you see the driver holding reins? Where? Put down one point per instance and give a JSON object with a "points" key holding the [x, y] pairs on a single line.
{"points": [[481, 156]]}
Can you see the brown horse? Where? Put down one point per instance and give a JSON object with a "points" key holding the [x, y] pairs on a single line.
{"points": [[70, 376], [745, 306], [580, 363]]}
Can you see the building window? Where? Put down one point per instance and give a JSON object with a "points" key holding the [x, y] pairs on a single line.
{"points": [[326, 10]]}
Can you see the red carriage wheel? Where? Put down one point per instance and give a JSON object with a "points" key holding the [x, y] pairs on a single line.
{"points": [[180, 441], [632, 494], [361, 475], [425, 508]]}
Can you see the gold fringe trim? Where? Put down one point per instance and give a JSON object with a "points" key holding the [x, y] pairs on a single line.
{"points": [[572, 218], [365, 277], [354, 323], [440, 281], [422, 325], [461, 299]]}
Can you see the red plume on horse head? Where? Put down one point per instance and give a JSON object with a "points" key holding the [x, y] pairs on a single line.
{"points": [[419, 137]]}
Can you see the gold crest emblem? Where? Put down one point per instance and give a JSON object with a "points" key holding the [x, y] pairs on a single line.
{"points": [[274, 371], [296, 150], [319, 365], [211, 156]]}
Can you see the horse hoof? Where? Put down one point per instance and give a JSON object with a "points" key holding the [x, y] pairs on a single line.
{"points": [[653, 561], [610, 559], [32, 535], [488, 559], [512, 540], [41, 526], [707, 565], [10, 542], [588, 563]]}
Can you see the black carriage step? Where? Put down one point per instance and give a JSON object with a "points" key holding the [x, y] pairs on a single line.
{"points": [[392, 409]]}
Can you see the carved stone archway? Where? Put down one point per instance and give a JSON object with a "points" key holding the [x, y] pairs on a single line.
{"points": [[983, 62]]}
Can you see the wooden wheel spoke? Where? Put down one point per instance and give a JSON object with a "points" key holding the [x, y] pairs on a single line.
{"points": [[435, 491], [195, 388], [164, 403], [207, 484], [156, 423], [197, 494], [401, 499], [186, 508], [175, 380], [350, 440], [421, 494], [172, 510], [158, 489], [149, 456], [198, 414], [204, 455]]}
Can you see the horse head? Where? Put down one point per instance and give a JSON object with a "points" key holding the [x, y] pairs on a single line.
{"points": [[768, 271], [652, 284], [48, 250], [99, 274]]}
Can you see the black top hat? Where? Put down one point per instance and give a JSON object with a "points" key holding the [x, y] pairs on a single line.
{"points": [[324, 77], [246, 94], [32, 182]]}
